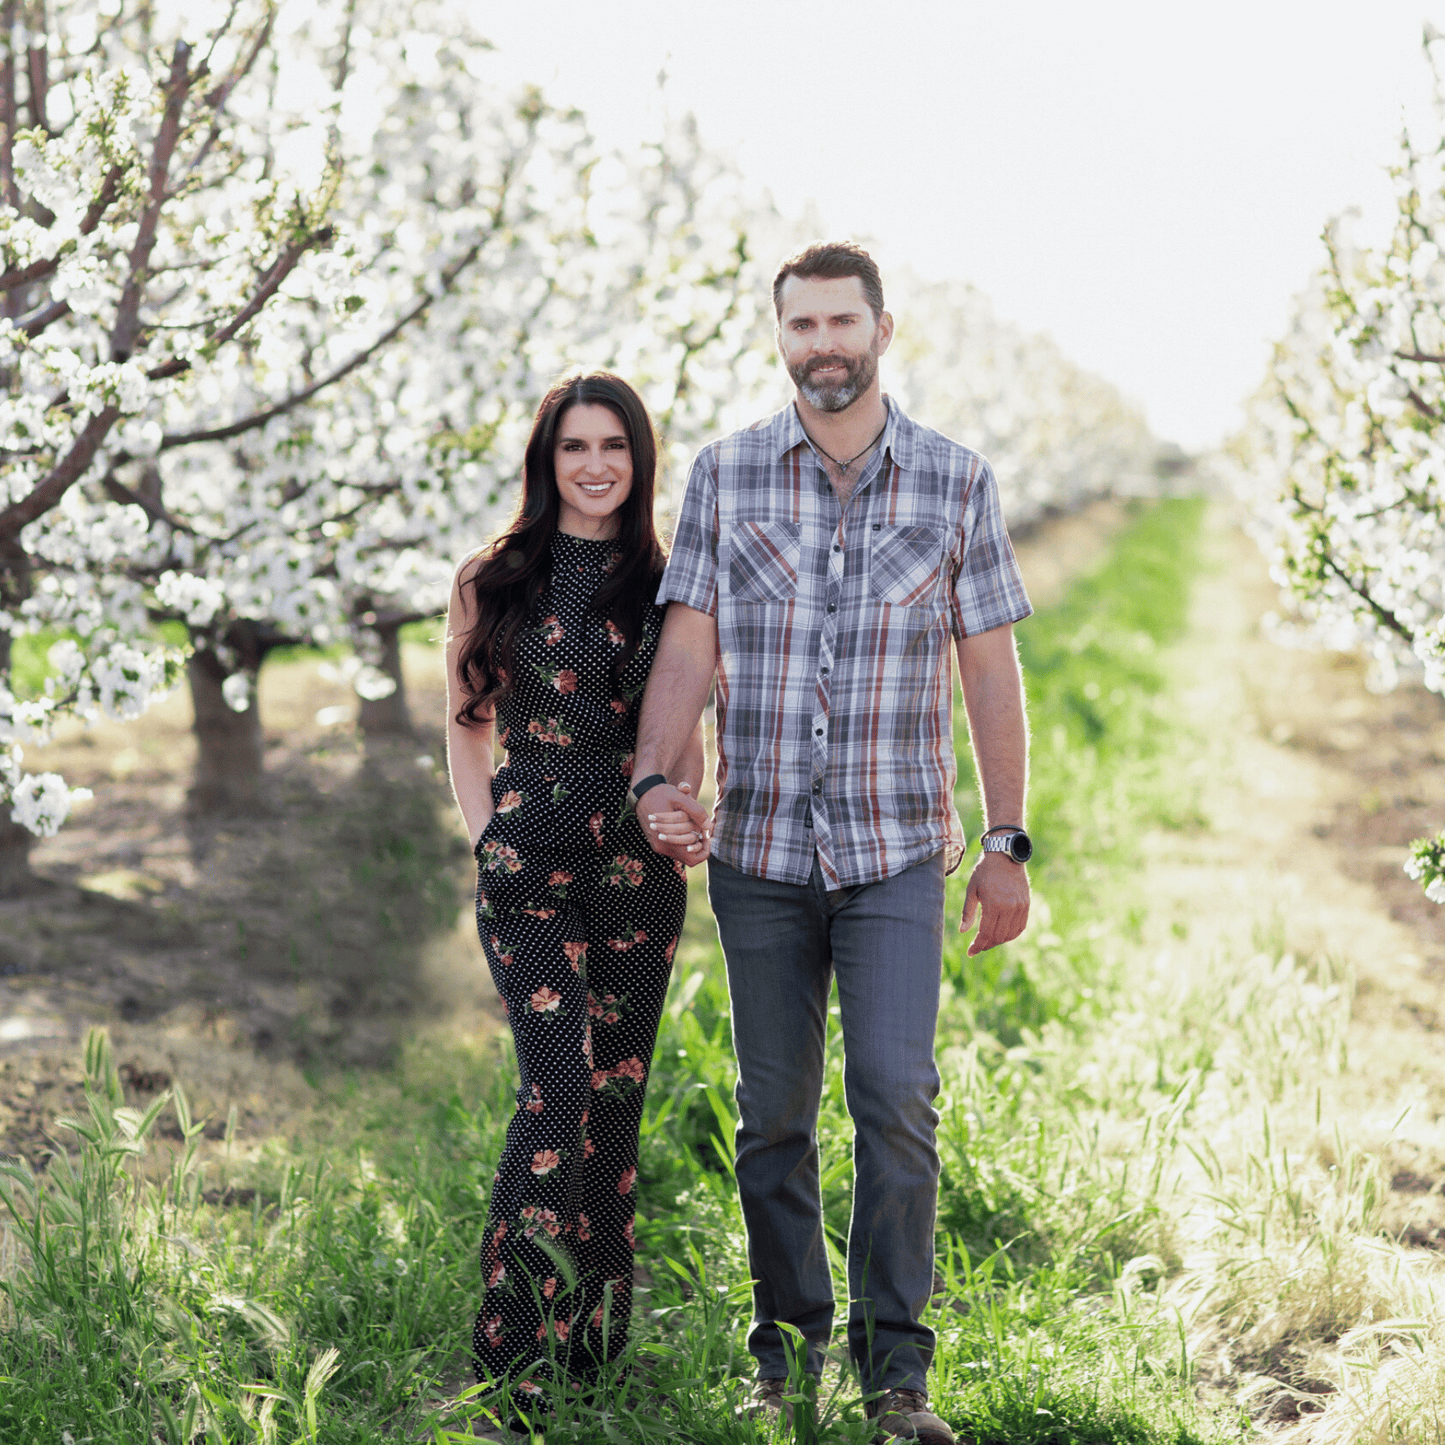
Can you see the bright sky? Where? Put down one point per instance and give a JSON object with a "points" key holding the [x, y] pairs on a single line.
{"points": [[1145, 182]]}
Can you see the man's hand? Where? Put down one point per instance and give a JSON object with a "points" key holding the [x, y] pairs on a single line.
{"points": [[676, 824], [1000, 887]]}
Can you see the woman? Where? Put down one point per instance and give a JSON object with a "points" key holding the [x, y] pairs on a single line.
{"points": [[550, 635]]}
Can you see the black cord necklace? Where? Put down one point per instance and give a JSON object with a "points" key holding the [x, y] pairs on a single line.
{"points": [[843, 466]]}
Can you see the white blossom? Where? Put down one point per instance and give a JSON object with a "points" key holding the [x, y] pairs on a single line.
{"points": [[237, 691], [39, 802], [1343, 460]]}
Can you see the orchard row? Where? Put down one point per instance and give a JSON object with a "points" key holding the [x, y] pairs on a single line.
{"points": [[1343, 457], [282, 287]]}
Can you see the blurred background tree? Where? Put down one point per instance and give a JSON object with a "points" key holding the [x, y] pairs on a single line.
{"points": [[283, 287], [1343, 458]]}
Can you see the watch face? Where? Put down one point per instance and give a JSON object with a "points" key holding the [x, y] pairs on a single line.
{"points": [[1020, 848]]}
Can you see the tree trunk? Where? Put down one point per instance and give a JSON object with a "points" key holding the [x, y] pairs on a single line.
{"points": [[15, 873], [15, 842], [388, 717], [229, 746]]}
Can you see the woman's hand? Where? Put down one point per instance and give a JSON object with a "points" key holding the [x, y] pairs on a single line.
{"points": [[679, 834]]}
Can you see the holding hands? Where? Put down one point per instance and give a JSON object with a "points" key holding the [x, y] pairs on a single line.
{"points": [[676, 824]]}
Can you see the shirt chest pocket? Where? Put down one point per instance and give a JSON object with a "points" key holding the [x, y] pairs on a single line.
{"points": [[905, 568], [764, 561]]}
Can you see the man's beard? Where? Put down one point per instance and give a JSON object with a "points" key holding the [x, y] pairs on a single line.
{"points": [[836, 395]]}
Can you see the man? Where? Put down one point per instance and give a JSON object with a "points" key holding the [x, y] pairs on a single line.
{"points": [[823, 561]]}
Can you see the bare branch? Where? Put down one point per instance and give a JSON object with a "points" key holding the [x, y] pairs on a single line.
{"points": [[9, 192], [220, 32], [270, 413], [38, 66], [343, 65]]}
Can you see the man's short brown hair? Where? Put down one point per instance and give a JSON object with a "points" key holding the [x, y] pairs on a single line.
{"points": [[828, 261]]}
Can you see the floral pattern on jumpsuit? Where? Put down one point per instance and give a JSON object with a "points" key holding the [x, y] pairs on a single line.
{"points": [[579, 920]]}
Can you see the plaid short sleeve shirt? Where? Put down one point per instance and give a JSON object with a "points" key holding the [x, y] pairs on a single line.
{"points": [[834, 686]]}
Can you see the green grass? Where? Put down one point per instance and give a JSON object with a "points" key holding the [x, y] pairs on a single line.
{"points": [[329, 1306]]}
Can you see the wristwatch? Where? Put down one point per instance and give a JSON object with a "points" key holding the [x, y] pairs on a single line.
{"points": [[1016, 843], [644, 785]]}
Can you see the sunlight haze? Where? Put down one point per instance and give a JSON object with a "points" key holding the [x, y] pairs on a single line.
{"points": [[1146, 184]]}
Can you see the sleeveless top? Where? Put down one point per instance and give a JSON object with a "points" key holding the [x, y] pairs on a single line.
{"points": [[569, 732]]}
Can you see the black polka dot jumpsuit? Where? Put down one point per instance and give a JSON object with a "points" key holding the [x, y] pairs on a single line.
{"points": [[579, 919]]}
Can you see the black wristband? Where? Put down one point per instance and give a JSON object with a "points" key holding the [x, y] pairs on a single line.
{"points": [[646, 785], [999, 827]]}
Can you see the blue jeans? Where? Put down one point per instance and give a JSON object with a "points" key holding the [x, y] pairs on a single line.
{"points": [[783, 943]]}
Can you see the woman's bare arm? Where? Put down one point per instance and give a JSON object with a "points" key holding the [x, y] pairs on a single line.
{"points": [[471, 758]]}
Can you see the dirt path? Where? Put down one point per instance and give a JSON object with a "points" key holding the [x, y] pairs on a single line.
{"points": [[1313, 788]]}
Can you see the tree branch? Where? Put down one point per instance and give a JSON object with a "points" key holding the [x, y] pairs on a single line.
{"points": [[1383, 615], [101, 204], [280, 269], [26, 274], [41, 319], [270, 413], [1420, 404], [38, 67], [37, 270], [217, 97], [126, 496], [65, 472], [9, 192], [127, 319]]}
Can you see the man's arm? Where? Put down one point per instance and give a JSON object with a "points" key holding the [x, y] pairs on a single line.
{"points": [[691, 766], [994, 698], [677, 690]]}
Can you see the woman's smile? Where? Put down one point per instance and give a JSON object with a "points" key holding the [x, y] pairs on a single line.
{"points": [[593, 463]]}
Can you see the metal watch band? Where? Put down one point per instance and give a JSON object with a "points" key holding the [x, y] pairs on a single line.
{"points": [[1016, 844]]}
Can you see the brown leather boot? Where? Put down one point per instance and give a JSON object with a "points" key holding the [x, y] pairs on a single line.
{"points": [[765, 1402], [904, 1415]]}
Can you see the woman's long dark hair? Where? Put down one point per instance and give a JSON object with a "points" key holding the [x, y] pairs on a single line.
{"points": [[516, 566]]}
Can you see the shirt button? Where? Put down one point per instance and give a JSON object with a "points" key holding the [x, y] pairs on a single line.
{"points": [[823, 671], [831, 607], [819, 731], [836, 547], [817, 789]]}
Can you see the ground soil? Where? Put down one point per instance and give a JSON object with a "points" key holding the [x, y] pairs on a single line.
{"points": [[239, 954]]}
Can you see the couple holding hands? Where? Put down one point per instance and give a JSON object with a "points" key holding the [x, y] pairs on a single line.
{"points": [[826, 561]]}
